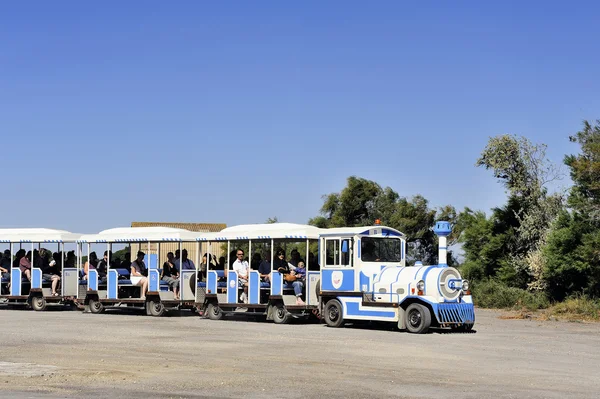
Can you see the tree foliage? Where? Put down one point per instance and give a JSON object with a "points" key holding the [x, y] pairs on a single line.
{"points": [[572, 251], [508, 244]]}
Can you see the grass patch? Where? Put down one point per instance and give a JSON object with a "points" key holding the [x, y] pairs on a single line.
{"points": [[496, 295], [576, 309]]}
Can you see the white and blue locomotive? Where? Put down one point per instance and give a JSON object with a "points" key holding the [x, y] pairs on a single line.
{"points": [[364, 277]]}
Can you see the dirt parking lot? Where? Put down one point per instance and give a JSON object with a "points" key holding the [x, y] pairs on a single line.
{"points": [[57, 354]]}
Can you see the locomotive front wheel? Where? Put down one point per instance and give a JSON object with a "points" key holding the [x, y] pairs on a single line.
{"points": [[418, 318], [213, 311], [38, 303], [334, 313]]}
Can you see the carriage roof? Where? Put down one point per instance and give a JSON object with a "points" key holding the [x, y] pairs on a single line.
{"points": [[38, 235], [363, 230], [263, 232], [140, 234]]}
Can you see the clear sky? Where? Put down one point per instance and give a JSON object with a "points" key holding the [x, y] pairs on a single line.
{"points": [[234, 112]]}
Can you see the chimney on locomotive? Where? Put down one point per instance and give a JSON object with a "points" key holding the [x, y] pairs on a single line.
{"points": [[442, 230]]}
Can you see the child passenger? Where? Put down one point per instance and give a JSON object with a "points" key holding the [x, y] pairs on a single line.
{"points": [[298, 284]]}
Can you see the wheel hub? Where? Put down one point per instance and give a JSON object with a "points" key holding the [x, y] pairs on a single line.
{"points": [[414, 318]]}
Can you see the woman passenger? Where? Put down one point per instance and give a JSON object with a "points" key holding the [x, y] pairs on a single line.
{"points": [[52, 273], [92, 263], [170, 275], [280, 264], [139, 273], [25, 265]]}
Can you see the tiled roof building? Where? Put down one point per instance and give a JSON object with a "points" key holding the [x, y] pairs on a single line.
{"points": [[199, 227]]}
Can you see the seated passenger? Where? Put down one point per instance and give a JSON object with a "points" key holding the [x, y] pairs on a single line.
{"points": [[221, 264], [91, 263], [298, 284], [70, 262], [368, 252], [204, 267], [264, 269], [103, 265], [295, 258], [16, 262], [241, 267], [126, 263], [280, 264], [256, 259], [186, 264], [139, 273], [25, 265], [170, 275], [51, 272], [5, 264]]}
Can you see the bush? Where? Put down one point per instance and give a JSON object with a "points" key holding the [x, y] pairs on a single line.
{"points": [[577, 308], [494, 294]]}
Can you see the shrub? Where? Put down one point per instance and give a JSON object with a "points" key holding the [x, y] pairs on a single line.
{"points": [[494, 294], [577, 308]]}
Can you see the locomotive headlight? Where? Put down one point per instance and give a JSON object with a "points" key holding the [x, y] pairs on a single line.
{"points": [[421, 285], [465, 285]]}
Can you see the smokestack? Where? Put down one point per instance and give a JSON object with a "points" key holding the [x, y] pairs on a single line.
{"points": [[442, 230]]}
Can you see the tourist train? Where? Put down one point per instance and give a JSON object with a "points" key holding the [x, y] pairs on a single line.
{"points": [[283, 271]]}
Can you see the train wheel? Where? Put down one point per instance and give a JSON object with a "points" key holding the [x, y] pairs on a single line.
{"points": [[38, 303], [280, 315], [418, 318], [96, 306], [155, 308], [214, 312], [334, 313]]}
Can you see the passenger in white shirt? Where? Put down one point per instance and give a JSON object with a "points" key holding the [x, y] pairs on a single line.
{"points": [[241, 267]]}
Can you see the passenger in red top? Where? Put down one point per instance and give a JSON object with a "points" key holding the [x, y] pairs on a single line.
{"points": [[25, 265]]}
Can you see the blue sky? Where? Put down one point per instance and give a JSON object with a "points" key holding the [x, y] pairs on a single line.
{"points": [[236, 112]]}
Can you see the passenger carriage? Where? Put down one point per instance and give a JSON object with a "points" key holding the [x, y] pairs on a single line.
{"points": [[118, 290], [364, 277], [17, 289], [220, 294]]}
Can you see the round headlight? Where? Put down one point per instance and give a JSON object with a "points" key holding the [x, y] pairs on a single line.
{"points": [[465, 285], [421, 285]]}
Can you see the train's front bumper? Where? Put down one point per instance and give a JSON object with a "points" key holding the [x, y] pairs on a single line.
{"points": [[455, 313]]}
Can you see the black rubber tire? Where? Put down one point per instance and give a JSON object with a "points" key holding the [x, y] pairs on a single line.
{"points": [[193, 283], [418, 318], [96, 306], [280, 314], [155, 308], [334, 313], [38, 303], [214, 312]]}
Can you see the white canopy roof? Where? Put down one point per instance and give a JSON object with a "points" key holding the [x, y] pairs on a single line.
{"points": [[140, 234], [364, 230], [37, 235], [263, 231]]}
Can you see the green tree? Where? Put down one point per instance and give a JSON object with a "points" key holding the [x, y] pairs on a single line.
{"points": [[509, 244], [572, 250]]}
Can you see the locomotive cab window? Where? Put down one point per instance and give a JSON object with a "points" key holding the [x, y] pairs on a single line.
{"points": [[337, 252], [380, 249], [332, 252]]}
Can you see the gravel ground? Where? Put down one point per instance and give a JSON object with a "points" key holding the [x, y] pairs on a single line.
{"points": [[55, 354]]}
